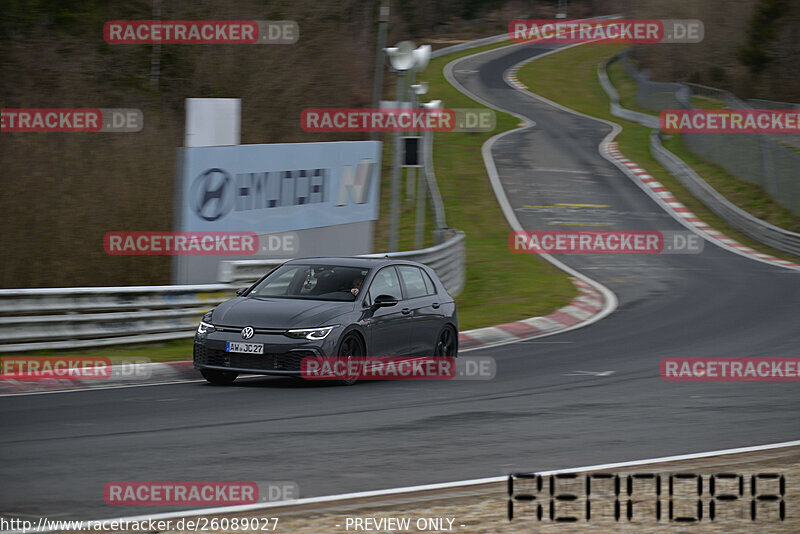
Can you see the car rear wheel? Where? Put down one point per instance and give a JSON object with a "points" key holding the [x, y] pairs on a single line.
{"points": [[351, 351], [219, 378], [447, 342]]}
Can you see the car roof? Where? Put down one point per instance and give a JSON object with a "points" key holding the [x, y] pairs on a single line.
{"points": [[351, 261]]}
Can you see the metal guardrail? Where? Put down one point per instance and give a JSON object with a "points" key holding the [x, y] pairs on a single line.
{"points": [[749, 225], [80, 317], [66, 318], [753, 227], [616, 109], [447, 259], [769, 160], [731, 100]]}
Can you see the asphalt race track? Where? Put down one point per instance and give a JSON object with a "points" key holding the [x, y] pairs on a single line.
{"points": [[540, 411]]}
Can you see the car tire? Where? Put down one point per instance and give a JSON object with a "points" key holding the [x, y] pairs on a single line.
{"points": [[351, 348], [219, 378], [446, 343]]}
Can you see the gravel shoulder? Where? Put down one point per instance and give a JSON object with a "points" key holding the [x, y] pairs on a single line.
{"points": [[485, 508]]}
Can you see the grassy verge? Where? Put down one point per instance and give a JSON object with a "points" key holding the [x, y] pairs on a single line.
{"points": [[570, 78], [166, 351], [705, 102], [748, 196]]}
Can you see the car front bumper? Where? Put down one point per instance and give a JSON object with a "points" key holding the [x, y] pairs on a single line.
{"points": [[282, 355]]}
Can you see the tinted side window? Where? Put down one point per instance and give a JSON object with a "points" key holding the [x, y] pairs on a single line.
{"points": [[414, 280], [385, 283], [429, 286]]}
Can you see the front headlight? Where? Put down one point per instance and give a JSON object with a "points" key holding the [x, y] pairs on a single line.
{"points": [[205, 325], [205, 328], [313, 334]]}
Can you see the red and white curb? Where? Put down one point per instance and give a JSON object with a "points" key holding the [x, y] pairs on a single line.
{"points": [[679, 211], [121, 376], [511, 76], [588, 303]]}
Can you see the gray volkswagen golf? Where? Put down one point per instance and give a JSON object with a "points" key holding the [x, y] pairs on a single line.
{"points": [[323, 307]]}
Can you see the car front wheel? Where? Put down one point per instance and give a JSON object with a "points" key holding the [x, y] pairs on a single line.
{"points": [[447, 343], [351, 350]]}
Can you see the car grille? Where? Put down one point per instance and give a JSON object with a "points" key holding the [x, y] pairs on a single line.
{"points": [[287, 361], [238, 329]]}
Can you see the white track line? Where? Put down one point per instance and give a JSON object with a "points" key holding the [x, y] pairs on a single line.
{"points": [[226, 510]]}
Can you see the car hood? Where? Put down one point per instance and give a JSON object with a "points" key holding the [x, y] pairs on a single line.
{"points": [[263, 312]]}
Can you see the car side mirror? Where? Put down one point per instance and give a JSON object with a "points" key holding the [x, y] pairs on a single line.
{"points": [[242, 290], [384, 301]]}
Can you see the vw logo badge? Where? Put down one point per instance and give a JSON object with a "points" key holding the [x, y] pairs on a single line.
{"points": [[248, 332]]}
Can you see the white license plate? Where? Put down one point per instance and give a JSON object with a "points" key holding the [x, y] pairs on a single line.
{"points": [[247, 348]]}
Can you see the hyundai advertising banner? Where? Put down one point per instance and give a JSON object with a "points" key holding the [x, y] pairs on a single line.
{"points": [[278, 201], [279, 187]]}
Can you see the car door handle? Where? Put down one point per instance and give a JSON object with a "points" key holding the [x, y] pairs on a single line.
{"points": [[405, 311], [435, 305]]}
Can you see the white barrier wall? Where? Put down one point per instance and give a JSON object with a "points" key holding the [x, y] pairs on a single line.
{"points": [[213, 121]]}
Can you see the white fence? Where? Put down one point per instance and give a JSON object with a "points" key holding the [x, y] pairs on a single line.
{"points": [[749, 225]]}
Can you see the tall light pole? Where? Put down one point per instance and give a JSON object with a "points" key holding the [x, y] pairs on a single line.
{"points": [[417, 89], [377, 88], [404, 57], [155, 54], [440, 224]]}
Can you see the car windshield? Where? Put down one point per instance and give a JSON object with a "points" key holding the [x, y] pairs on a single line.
{"points": [[315, 282]]}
